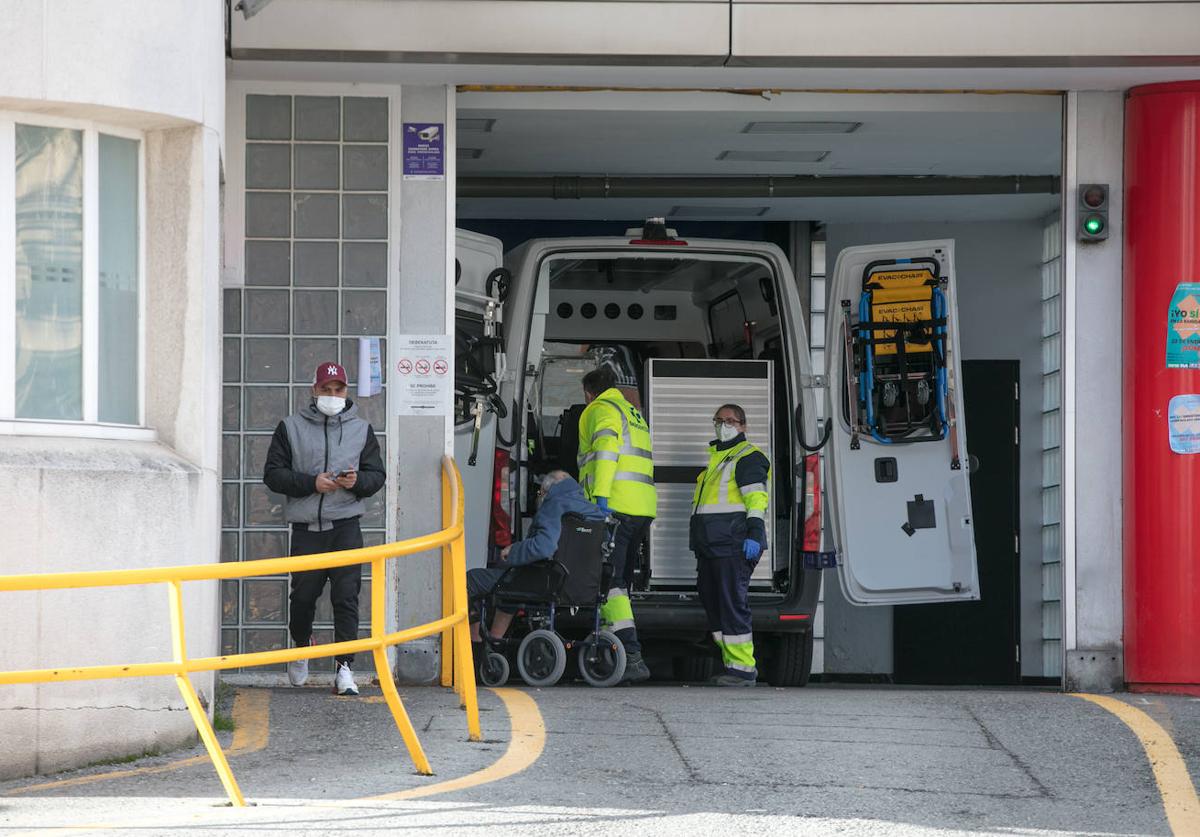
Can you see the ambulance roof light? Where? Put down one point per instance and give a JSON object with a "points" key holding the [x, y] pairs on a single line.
{"points": [[655, 231]]}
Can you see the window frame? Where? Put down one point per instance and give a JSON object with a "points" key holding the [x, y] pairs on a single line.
{"points": [[89, 426]]}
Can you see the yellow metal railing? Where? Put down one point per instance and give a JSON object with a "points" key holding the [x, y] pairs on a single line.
{"points": [[456, 649]]}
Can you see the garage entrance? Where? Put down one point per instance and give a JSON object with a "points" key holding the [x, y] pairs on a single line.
{"points": [[816, 174]]}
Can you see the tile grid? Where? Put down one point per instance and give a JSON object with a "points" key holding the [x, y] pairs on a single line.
{"points": [[316, 280]]}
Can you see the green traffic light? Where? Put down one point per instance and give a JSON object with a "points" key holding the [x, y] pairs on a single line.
{"points": [[1093, 225]]}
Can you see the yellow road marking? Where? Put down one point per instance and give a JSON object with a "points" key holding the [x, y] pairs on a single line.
{"points": [[524, 748], [252, 720], [1170, 770]]}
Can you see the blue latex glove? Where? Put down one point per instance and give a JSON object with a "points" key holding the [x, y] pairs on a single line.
{"points": [[752, 548], [602, 502]]}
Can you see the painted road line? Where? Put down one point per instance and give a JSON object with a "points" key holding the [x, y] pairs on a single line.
{"points": [[251, 732], [524, 748], [1170, 770]]}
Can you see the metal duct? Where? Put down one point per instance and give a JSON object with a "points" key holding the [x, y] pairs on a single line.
{"points": [[796, 186]]}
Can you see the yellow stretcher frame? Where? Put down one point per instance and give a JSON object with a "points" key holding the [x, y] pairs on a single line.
{"points": [[457, 668]]}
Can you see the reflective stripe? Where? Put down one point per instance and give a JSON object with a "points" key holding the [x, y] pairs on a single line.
{"points": [[617, 591], [760, 514], [622, 624], [738, 638], [742, 667], [720, 508], [752, 487], [642, 452], [632, 476], [609, 455], [617, 608], [600, 434], [717, 637]]}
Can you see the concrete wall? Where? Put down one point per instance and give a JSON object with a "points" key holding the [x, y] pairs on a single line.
{"points": [[78, 500], [1000, 313], [1093, 608]]}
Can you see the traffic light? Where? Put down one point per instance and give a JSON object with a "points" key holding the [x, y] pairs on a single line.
{"points": [[1093, 212]]}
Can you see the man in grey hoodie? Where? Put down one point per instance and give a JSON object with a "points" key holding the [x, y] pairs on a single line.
{"points": [[324, 460]]}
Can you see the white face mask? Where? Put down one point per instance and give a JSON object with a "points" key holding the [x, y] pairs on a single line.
{"points": [[330, 405], [725, 432]]}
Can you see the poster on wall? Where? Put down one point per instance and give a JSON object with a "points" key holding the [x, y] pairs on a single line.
{"points": [[424, 151], [424, 380], [370, 367], [1183, 423], [1183, 327]]}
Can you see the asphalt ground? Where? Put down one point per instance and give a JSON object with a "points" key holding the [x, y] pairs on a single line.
{"points": [[662, 759]]}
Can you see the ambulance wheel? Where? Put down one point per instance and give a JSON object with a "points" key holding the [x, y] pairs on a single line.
{"points": [[494, 670], [792, 663], [695, 668], [541, 658], [602, 659]]}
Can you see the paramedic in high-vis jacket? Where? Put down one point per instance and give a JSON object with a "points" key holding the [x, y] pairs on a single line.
{"points": [[616, 469], [324, 460], [728, 533]]}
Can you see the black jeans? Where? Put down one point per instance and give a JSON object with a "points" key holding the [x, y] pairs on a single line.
{"points": [[344, 583]]}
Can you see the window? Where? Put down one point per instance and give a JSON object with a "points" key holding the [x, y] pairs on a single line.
{"points": [[71, 233], [727, 324]]}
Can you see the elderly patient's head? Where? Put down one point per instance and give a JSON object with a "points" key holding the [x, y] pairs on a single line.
{"points": [[551, 479]]}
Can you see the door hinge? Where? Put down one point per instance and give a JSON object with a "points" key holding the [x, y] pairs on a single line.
{"points": [[1017, 390], [1018, 653], [1017, 434], [1017, 543]]}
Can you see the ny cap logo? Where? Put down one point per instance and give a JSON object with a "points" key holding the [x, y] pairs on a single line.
{"points": [[331, 370]]}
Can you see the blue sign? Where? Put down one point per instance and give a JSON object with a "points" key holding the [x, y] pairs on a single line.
{"points": [[424, 151], [1183, 327], [1183, 423]]}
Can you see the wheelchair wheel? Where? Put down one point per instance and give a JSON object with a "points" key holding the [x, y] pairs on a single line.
{"points": [[493, 671], [602, 659], [541, 658]]}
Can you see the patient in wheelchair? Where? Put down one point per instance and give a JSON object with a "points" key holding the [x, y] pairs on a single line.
{"points": [[558, 495]]}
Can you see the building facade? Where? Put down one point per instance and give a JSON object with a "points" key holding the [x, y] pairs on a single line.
{"points": [[194, 220]]}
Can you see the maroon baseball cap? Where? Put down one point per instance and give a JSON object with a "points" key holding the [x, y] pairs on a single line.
{"points": [[328, 371]]}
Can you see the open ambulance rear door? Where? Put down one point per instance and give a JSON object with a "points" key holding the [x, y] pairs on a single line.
{"points": [[481, 284], [899, 496]]}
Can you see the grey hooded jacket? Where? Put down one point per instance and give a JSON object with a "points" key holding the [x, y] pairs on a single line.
{"points": [[308, 443]]}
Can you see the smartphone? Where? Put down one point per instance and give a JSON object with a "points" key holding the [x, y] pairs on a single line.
{"points": [[337, 475]]}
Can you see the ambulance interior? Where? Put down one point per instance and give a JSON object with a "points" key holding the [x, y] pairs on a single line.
{"points": [[521, 155], [627, 311]]}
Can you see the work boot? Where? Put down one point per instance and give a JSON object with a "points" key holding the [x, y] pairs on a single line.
{"points": [[636, 670], [732, 680], [343, 683]]}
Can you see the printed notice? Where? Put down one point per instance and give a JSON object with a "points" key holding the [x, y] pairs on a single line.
{"points": [[1183, 423], [424, 151], [424, 379], [1183, 327]]}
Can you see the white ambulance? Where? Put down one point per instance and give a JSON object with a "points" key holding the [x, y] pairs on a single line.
{"points": [[689, 325]]}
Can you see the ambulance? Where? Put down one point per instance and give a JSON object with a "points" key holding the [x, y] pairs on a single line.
{"points": [[868, 460]]}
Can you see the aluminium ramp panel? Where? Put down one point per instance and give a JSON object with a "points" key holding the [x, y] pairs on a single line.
{"points": [[683, 395]]}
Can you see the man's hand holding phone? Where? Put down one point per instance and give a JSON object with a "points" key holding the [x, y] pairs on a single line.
{"points": [[346, 479]]}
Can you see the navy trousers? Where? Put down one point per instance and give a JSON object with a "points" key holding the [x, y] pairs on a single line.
{"points": [[723, 583]]}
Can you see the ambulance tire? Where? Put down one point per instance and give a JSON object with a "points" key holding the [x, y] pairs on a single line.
{"points": [[602, 660], [541, 658], [696, 668], [792, 662]]}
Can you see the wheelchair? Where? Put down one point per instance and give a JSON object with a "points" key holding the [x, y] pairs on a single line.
{"points": [[576, 578]]}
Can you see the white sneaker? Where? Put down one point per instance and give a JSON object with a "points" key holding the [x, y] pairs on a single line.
{"points": [[298, 669], [343, 683], [298, 672]]}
